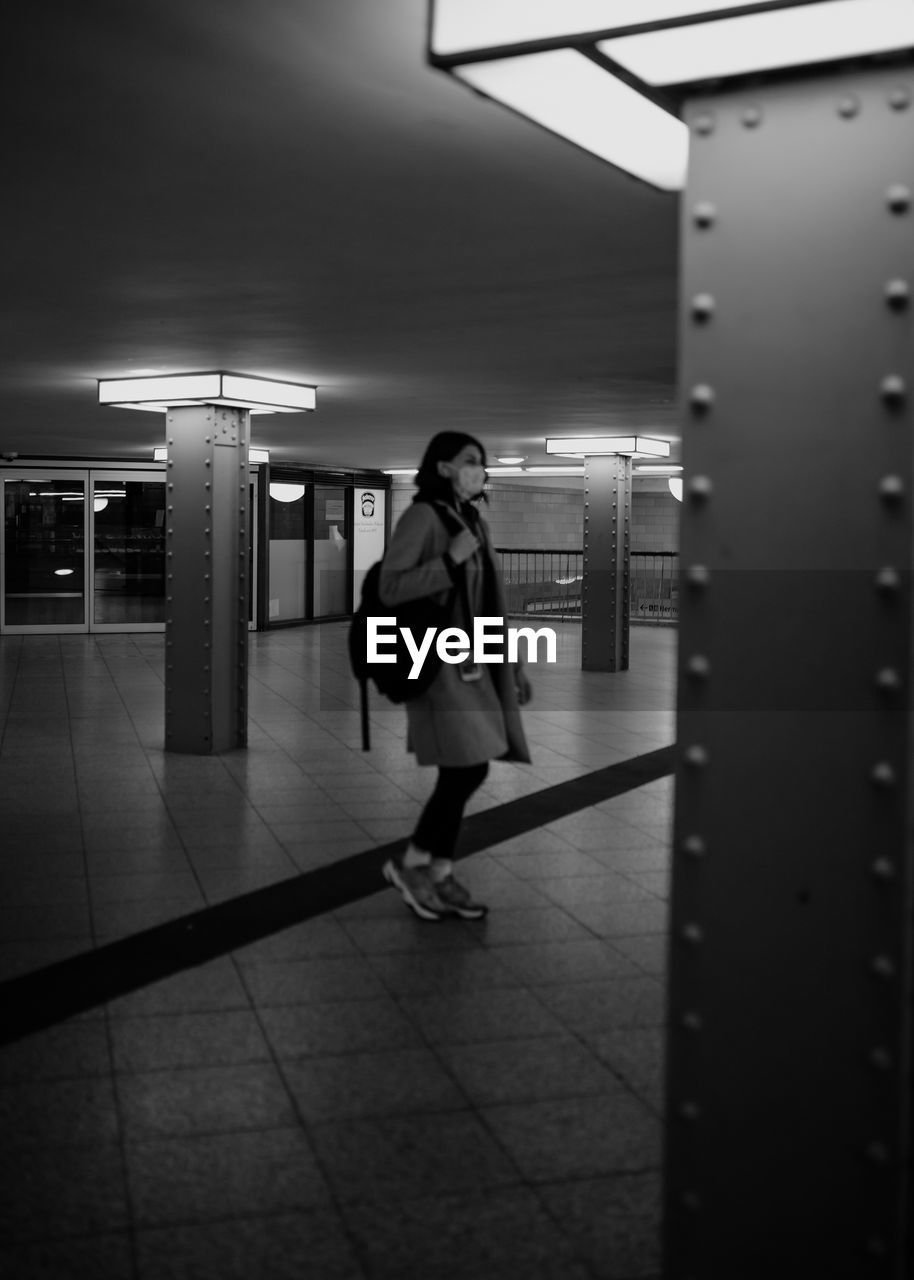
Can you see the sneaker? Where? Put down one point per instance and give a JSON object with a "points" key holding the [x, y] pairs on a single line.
{"points": [[416, 889], [458, 900]]}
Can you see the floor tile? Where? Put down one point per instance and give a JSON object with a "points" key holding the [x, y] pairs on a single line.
{"points": [[64, 1191], [203, 1100], [312, 981], [405, 1081], [527, 1070], [302, 1031], [50, 1113], [503, 1234], [613, 1222], [74, 1048], [162, 1041], [214, 1177], [310, 1245], [397, 1158], [590, 1008], [406, 974], [577, 1137], [575, 960], [492, 1014], [211, 986], [98, 1257]]}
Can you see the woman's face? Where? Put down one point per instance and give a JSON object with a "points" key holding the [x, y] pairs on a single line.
{"points": [[465, 471]]}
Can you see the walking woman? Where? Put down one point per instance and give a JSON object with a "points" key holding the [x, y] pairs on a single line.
{"points": [[469, 713]]}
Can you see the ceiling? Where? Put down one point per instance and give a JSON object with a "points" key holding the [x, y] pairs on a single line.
{"points": [[283, 187]]}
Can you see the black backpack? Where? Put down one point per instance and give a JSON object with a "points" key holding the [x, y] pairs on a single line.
{"points": [[392, 679]]}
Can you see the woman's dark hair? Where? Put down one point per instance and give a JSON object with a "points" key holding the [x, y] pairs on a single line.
{"points": [[443, 447]]}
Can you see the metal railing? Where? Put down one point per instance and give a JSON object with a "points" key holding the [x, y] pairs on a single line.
{"points": [[547, 583]]}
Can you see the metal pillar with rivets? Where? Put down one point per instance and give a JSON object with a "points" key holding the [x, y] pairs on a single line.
{"points": [[788, 1138], [605, 592], [206, 625]]}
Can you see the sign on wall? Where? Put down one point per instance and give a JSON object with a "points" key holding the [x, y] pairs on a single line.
{"points": [[367, 534]]}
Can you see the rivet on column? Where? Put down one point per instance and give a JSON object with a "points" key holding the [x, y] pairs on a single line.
{"points": [[883, 869], [893, 390], [702, 307], [700, 488], [704, 214], [693, 934], [883, 774], [689, 1110], [694, 847], [692, 1021], [701, 398], [888, 679], [900, 98], [898, 197], [751, 117], [882, 967], [891, 488], [696, 757], [704, 124], [849, 106], [698, 575], [898, 294], [698, 667], [888, 579]]}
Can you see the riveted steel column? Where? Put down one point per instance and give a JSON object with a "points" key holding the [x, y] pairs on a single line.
{"points": [[607, 544], [206, 627], [788, 1125]]}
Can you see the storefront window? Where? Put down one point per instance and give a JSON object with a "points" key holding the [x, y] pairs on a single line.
{"points": [[287, 551], [44, 560], [331, 577], [129, 548]]}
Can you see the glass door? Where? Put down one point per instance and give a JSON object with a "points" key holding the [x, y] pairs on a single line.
{"points": [[43, 553], [128, 551], [331, 561]]}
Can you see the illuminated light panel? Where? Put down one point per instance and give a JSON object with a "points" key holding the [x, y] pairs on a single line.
{"points": [[590, 446], [187, 388], [800, 36], [675, 488], [662, 470], [255, 456], [459, 26], [263, 391], [235, 390], [571, 96], [286, 492], [555, 471]]}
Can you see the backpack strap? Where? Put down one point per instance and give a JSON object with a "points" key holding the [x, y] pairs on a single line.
{"points": [[454, 526], [363, 709]]}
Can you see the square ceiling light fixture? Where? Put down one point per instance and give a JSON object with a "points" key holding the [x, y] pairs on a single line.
{"points": [[610, 75], [236, 390], [590, 446]]}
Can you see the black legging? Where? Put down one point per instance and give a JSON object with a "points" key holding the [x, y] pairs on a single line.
{"points": [[439, 825]]}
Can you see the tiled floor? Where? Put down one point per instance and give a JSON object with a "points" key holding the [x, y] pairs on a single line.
{"points": [[362, 1095]]}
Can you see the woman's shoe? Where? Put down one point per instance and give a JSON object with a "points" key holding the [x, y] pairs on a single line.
{"points": [[457, 899], [417, 890]]}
